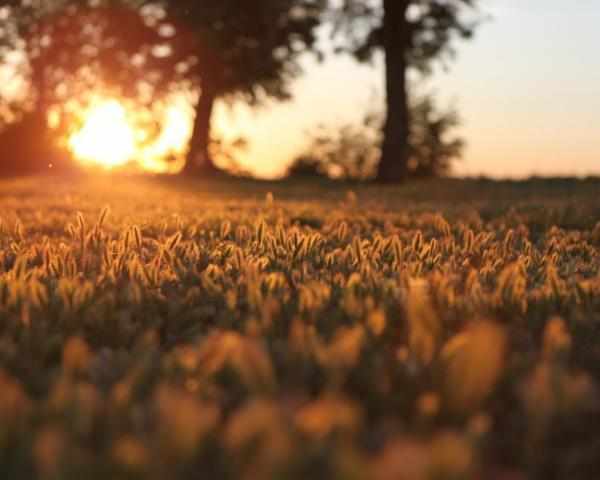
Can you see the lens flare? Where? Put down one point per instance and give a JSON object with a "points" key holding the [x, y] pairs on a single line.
{"points": [[106, 138]]}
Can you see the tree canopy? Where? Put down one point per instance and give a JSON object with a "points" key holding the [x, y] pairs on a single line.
{"points": [[249, 51], [429, 28]]}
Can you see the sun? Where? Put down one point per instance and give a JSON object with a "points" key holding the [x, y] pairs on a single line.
{"points": [[106, 138], [117, 135]]}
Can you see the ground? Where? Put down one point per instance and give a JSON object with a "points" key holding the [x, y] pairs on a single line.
{"points": [[168, 328]]}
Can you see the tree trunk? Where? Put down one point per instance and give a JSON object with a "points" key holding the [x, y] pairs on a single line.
{"points": [[394, 155], [199, 160]]}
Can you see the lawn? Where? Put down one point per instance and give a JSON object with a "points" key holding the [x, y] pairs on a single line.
{"points": [[226, 329]]}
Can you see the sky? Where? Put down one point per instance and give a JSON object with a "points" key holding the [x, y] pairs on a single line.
{"points": [[527, 89]]}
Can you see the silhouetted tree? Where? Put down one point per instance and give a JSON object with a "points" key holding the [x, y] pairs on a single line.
{"points": [[412, 34], [70, 47], [247, 50]]}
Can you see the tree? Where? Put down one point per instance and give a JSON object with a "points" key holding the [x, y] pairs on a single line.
{"points": [[413, 34], [243, 50], [70, 47]]}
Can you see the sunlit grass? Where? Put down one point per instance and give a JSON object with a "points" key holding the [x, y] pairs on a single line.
{"points": [[159, 329]]}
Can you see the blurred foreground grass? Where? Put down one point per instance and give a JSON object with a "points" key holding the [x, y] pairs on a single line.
{"points": [[154, 328]]}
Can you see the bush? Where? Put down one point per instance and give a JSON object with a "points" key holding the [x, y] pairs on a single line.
{"points": [[353, 151]]}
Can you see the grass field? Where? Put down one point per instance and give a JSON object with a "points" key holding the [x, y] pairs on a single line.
{"points": [[243, 330]]}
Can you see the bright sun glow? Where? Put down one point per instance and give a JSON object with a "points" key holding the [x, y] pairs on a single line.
{"points": [[112, 135], [106, 137]]}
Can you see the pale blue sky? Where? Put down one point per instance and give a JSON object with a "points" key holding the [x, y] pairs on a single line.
{"points": [[527, 88]]}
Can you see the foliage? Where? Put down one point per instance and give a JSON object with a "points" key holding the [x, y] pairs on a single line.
{"points": [[72, 47], [153, 330], [350, 152], [252, 52], [432, 146], [353, 152], [431, 27]]}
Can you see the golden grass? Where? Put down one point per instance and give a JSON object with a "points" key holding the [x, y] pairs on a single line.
{"points": [[232, 329]]}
